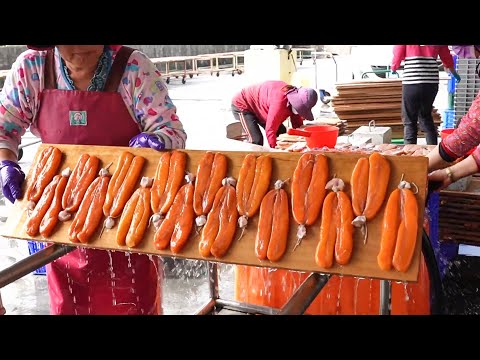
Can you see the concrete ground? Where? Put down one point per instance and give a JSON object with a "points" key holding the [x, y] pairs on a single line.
{"points": [[204, 107]]}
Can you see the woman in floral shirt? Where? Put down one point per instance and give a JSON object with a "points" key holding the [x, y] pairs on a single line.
{"points": [[142, 89], [89, 95], [460, 142]]}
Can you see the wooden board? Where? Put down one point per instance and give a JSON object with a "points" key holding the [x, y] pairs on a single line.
{"points": [[388, 123], [355, 94], [372, 82], [458, 215], [365, 107], [370, 115], [361, 94], [363, 100], [363, 263]]}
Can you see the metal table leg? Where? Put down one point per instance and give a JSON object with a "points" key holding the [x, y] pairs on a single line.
{"points": [[207, 308], [213, 280], [33, 262], [246, 308], [2, 309], [297, 305], [385, 290], [213, 285], [305, 294]]}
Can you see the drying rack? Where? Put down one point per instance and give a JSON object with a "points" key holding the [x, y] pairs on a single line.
{"points": [[296, 305], [183, 66]]}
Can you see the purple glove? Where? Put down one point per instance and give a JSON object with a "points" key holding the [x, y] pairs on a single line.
{"points": [[465, 51], [11, 177], [145, 140]]}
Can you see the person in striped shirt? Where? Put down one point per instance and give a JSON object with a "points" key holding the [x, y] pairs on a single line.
{"points": [[420, 86]]}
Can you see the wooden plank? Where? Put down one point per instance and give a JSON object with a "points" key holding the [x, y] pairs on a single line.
{"points": [[465, 204], [368, 94], [369, 116], [394, 100], [379, 122], [364, 94], [468, 196], [370, 83], [370, 87], [458, 236], [374, 114], [461, 222], [380, 113], [366, 107], [458, 215], [363, 263], [447, 238]]}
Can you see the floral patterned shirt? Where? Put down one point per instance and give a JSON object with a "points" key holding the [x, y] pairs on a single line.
{"points": [[142, 88], [467, 135]]}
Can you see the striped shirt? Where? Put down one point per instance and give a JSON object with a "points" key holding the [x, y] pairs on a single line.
{"points": [[420, 62], [420, 70]]}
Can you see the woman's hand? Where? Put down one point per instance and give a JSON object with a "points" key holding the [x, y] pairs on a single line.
{"points": [[147, 140], [440, 179], [11, 179]]}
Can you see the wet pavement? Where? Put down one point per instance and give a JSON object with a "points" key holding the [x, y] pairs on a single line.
{"points": [[462, 286]]}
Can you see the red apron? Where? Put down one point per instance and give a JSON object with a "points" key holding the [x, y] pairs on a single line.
{"points": [[88, 281]]}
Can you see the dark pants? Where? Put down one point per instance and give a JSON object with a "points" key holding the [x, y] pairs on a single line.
{"points": [[417, 105], [251, 125]]}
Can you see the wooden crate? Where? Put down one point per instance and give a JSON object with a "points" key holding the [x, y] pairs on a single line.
{"points": [[459, 214]]}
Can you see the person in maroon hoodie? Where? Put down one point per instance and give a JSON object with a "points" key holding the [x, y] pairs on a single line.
{"points": [[269, 104], [420, 86]]}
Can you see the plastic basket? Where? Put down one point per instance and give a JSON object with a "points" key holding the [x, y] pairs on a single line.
{"points": [[452, 81], [33, 247], [451, 101], [448, 119]]}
